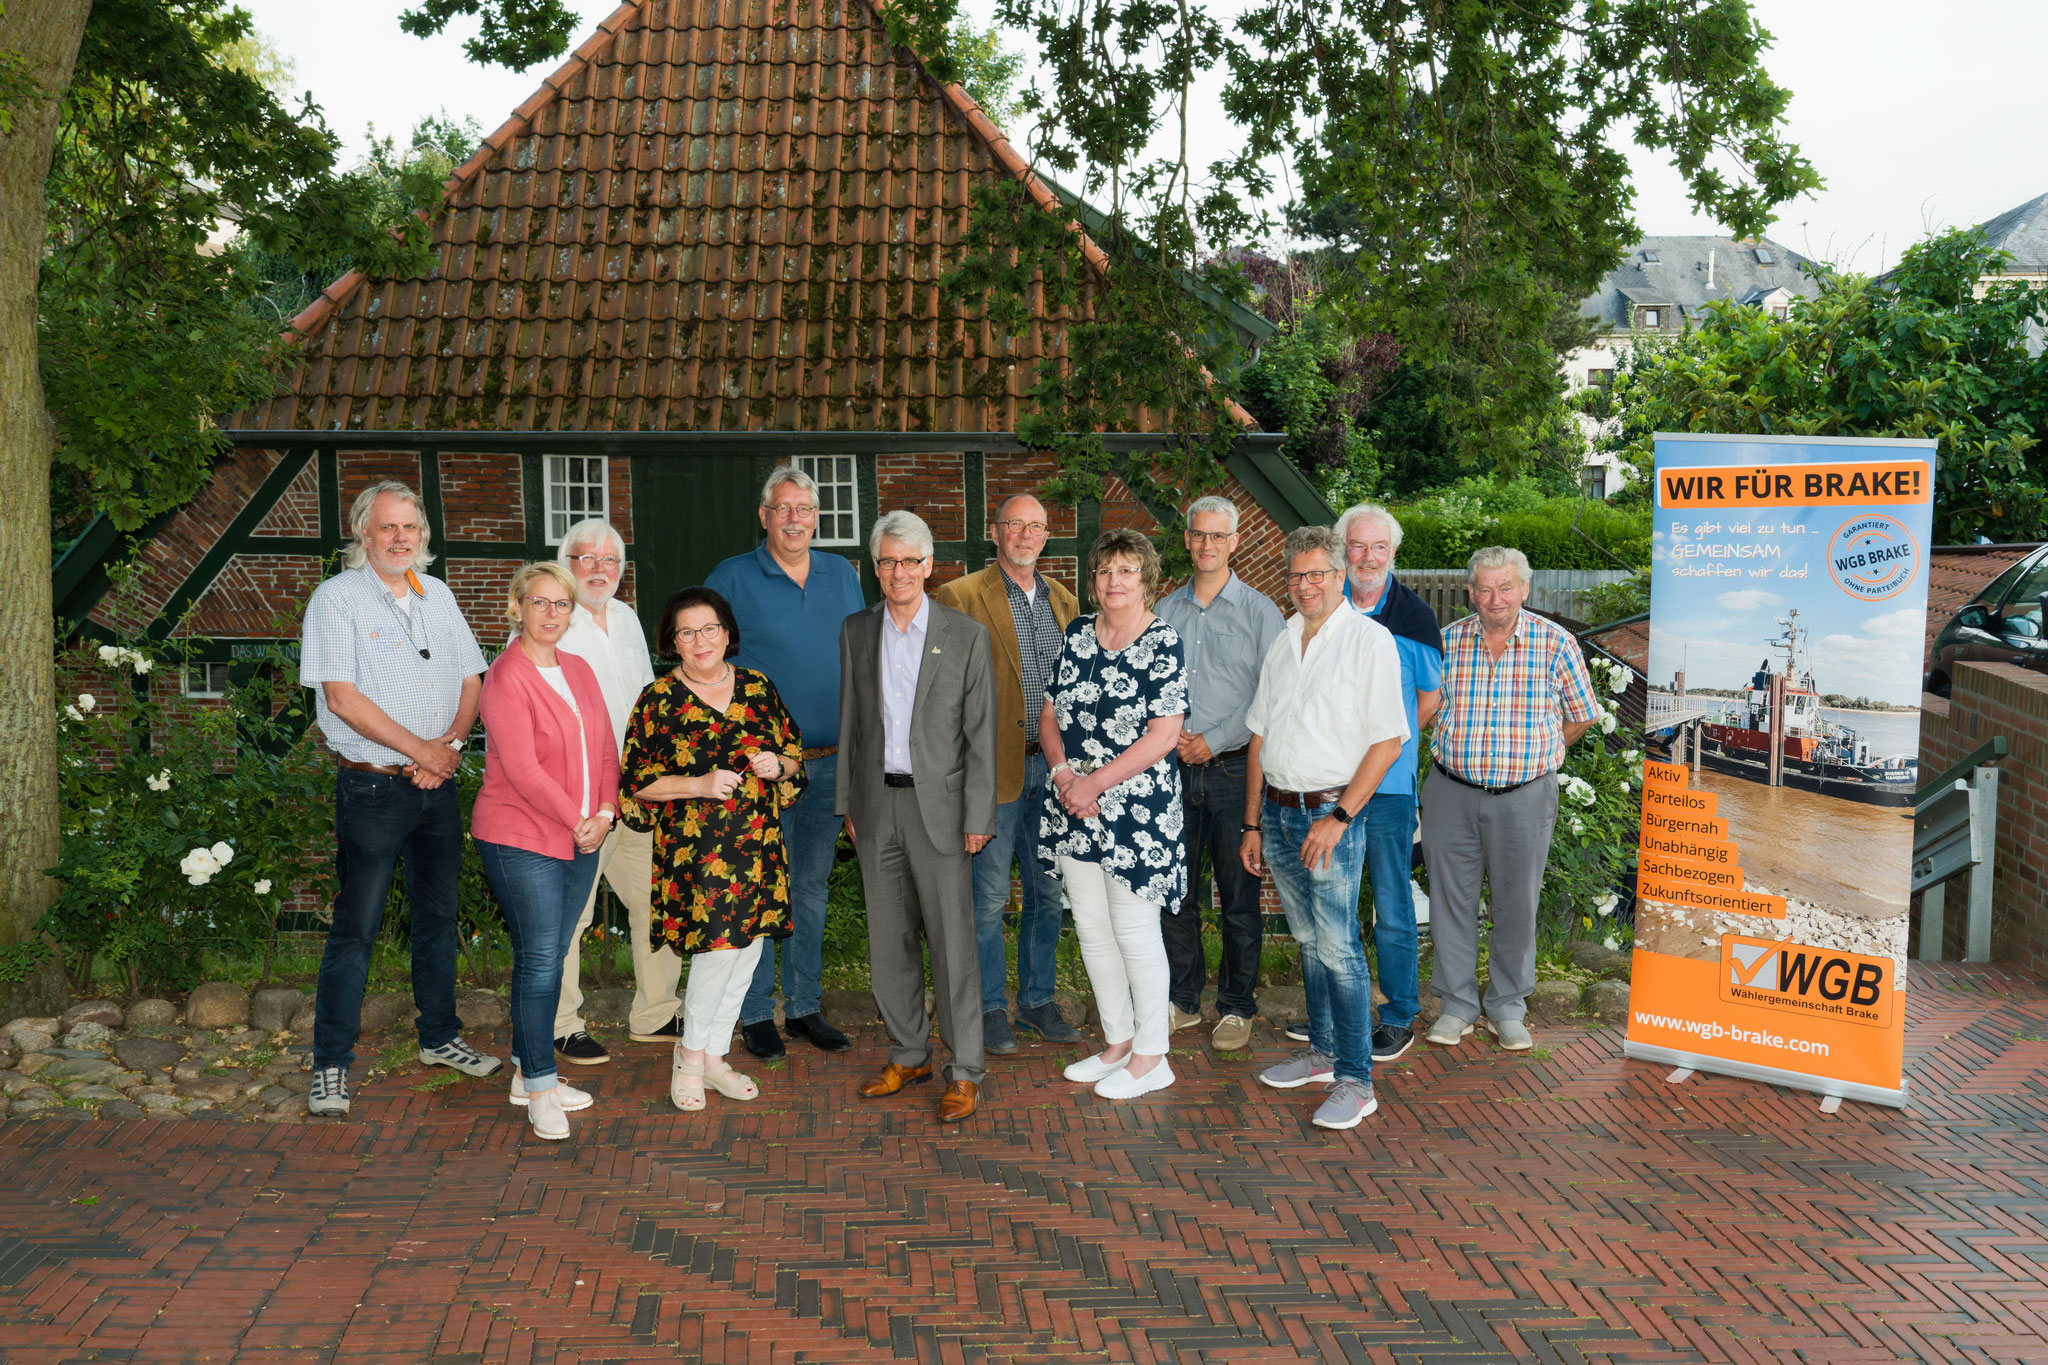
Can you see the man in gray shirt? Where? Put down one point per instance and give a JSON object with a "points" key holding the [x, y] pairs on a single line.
{"points": [[1225, 628]]}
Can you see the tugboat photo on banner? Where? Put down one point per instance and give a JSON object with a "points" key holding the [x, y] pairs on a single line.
{"points": [[1818, 754]]}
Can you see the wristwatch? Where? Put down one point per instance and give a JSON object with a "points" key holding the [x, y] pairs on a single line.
{"points": [[1251, 829], [1064, 765], [1340, 815]]}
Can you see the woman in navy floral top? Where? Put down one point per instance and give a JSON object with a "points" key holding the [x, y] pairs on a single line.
{"points": [[1112, 823]]}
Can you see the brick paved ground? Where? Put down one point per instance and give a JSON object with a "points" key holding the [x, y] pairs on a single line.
{"points": [[1566, 1208]]}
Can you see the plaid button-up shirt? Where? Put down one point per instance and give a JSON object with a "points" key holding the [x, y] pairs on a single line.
{"points": [[1503, 720], [1039, 638]]}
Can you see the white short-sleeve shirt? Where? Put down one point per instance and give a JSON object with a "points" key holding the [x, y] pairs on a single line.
{"points": [[410, 660], [1316, 713]]}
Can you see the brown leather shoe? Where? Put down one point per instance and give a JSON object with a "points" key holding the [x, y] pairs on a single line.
{"points": [[960, 1100], [893, 1078]]}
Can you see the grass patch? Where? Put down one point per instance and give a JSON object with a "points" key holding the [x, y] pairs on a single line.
{"points": [[397, 1055], [439, 1081]]}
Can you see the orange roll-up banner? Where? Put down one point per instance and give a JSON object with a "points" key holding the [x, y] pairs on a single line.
{"points": [[1788, 599]]}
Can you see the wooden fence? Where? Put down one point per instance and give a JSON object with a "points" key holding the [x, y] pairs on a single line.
{"points": [[1554, 592]]}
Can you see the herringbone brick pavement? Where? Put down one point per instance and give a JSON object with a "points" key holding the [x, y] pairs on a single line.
{"points": [[1562, 1208]]}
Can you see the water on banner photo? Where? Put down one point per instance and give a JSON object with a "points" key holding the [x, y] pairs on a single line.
{"points": [[1788, 604]]}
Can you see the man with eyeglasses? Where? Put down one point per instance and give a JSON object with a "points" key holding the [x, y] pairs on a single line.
{"points": [[1225, 627], [605, 633], [1326, 725], [789, 602], [1026, 616]]}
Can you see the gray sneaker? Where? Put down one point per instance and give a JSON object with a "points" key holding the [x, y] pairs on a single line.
{"points": [[329, 1094], [1047, 1022], [1305, 1067], [1511, 1034], [461, 1056], [1448, 1030], [1347, 1105]]}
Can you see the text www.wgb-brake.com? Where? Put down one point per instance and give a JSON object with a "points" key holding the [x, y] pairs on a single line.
{"points": [[1713, 1032]]}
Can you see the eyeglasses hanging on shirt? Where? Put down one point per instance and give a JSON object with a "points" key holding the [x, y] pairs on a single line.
{"points": [[412, 581]]}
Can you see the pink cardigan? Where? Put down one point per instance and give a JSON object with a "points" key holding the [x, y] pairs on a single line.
{"points": [[532, 789]]}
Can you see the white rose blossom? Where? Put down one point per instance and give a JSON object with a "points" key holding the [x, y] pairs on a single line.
{"points": [[86, 701], [1609, 943], [71, 713], [1604, 907], [142, 665], [262, 888], [199, 866], [222, 854], [109, 654], [1606, 722], [161, 782], [1619, 676]]}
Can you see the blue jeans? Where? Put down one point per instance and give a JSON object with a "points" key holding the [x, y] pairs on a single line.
{"points": [[1322, 914], [542, 898], [1212, 805], [1389, 822], [810, 832], [376, 820], [1038, 926]]}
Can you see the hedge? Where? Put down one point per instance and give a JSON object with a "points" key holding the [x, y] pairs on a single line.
{"points": [[1545, 536]]}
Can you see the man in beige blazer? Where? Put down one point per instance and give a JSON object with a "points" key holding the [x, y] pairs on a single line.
{"points": [[1026, 615]]}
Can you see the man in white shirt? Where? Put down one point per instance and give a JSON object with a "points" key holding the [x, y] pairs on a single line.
{"points": [[1327, 723], [605, 633]]}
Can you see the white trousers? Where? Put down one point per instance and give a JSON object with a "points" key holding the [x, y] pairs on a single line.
{"points": [[711, 1001], [626, 860], [1125, 956]]}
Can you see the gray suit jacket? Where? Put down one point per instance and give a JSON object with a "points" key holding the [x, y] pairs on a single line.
{"points": [[952, 726]]}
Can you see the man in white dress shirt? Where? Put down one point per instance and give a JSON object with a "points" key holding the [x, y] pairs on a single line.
{"points": [[1327, 723], [605, 633]]}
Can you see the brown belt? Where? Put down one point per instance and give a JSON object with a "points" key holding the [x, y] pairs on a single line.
{"points": [[1032, 748], [1303, 800], [381, 769], [809, 754]]}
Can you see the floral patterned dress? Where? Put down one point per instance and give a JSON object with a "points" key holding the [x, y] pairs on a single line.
{"points": [[721, 878], [1103, 700]]}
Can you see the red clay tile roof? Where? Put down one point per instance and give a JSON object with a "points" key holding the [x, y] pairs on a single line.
{"points": [[717, 215]]}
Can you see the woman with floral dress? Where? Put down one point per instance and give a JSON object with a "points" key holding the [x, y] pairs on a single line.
{"points": [[1111, 828], [711, 761]]}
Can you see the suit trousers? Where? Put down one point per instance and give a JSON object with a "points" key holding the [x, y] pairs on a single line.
{"points": [[626, 860], [913, 885], [1468, 834]]}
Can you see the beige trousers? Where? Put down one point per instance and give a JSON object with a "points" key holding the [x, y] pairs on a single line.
{"points": [[626, 861]]}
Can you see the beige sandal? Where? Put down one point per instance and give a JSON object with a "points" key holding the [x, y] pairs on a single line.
{"points": [[685, 1084], [729, 1083]]}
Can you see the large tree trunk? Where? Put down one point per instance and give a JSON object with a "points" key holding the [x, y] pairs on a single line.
{"points": [[44, 36]]}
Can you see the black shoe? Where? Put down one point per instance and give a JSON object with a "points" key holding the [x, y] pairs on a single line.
{"points": [[667, 1033], [1389, 1043], [582, 1049], [763, 1039], [818, 1031], [1047, 1022], [996, 1036], [1298, 1030]]}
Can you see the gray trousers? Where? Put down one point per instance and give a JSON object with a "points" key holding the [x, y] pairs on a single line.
{"points": [[1468, 835], [912, 885]]}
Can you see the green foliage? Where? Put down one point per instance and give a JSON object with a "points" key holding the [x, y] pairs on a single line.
{"points": [[1611, 601], [148, 782], [1442, 530], [1918, 354], [514, 33], [145, 332], [987, 70]]}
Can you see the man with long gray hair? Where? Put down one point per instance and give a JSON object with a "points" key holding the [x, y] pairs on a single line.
{"points": [[1516, 697], [396, 675]]}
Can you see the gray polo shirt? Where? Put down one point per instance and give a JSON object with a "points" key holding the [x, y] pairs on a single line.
{"points": [[356, 633], [1224, 644]]}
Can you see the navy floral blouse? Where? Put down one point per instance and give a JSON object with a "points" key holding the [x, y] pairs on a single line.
{"points": [[1103, 700]]}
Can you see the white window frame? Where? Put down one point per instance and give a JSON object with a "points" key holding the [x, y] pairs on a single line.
{"points": [[207, 691], [838, 480], [558, 489], [1594, 481], [1654, 318]]}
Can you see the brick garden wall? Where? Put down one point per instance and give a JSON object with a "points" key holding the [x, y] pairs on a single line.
{"points": [[1988, 700]]}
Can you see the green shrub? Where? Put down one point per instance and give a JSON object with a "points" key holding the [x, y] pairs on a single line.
{"points": [[1441, 530]]}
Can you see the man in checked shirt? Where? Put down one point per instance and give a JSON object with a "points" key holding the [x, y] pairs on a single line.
{"points": [[1516, 697]]}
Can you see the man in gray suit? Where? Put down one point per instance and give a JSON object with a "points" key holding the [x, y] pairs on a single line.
{"points": [[917, 785]]}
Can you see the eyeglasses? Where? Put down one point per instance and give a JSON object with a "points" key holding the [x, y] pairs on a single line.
{"points": [[1210, 537], [549, 606], [1117, 571], [1312, 576], [708, 634], [892, 565], [793, 511], [587, 563], [1359, 547], [1017, 526]]}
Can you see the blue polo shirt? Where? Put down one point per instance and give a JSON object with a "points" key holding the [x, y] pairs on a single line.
{"points": [[1421, 648], [792, 633]]}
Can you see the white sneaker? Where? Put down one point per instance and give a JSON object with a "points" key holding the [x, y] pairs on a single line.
{"points": [[1449, 1030], [1511, 1034], [1089, 1070], [544, 1112], [571, 1098], [1122, 1085]]}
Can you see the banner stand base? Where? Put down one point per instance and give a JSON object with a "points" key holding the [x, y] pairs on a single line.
{"points": [[1750, 1071]]}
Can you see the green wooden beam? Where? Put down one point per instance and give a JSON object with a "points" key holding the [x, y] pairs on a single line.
{"points": [[231, 542]]}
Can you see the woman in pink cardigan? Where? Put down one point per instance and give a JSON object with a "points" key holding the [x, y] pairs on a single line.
{"points": [[550, 794]]}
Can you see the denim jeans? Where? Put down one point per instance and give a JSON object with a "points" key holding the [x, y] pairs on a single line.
{"points": [[1389, 822], [1038, 926], [1212, 806], [542, 898], [376, 820], [810, 832], [1322, 914]]}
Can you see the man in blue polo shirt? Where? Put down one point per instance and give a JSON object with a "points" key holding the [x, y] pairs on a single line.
{"points": [[789, 604], [1371, 538]]}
